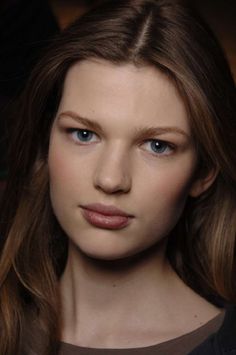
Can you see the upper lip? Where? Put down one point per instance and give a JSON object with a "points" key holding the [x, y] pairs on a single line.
{"points": [[106, 210]]}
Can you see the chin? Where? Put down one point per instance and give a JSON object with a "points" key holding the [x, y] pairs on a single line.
{"points": [[113, 253], [106, 256]]}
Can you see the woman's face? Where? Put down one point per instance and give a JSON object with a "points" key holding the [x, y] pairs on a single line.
{"points": [[121, 138]]}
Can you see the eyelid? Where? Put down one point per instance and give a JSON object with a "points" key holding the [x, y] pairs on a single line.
{"points": [[77, 119], [170, 144], [69, 127], [159, 140], [73, 129]]}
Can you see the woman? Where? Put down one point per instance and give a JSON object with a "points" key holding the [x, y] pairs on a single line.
{"points": [[118, 226]]}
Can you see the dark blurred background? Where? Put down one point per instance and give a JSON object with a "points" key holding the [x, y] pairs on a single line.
{"points": [[221, 16], [26, 27]]}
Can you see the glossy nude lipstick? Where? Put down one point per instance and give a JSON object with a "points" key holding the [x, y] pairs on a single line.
{"points": [[107, 217]]}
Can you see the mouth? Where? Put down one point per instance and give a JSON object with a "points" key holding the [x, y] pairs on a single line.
{"points": [[106, 217]]}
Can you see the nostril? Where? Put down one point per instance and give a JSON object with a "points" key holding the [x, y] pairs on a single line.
{"points": [[111, 187], [113, 173], [117, 183]]}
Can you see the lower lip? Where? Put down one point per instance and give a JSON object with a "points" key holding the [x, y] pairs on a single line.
{"points": [[107, 222]]}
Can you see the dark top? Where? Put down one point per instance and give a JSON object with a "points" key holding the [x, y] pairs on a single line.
{"points": [[222, 342], [178, 346]]}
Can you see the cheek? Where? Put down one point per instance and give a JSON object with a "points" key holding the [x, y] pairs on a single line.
{"points": [[59, 170], [165, 194], [63, 179], [65, 173], [174, 187]]}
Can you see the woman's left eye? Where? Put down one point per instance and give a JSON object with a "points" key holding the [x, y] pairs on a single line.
{"points": [[83, 135], [159, 147]]}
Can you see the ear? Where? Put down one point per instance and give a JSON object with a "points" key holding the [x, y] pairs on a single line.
{"points": [[201, 184]]}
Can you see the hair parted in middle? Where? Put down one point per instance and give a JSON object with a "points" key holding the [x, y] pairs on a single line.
{"points": [[166, 35]]}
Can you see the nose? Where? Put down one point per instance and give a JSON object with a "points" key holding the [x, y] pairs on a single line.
{"points": [[113, 172]]}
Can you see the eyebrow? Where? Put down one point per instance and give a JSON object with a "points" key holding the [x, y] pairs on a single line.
{"points": [[141, 132], [85, 121]]}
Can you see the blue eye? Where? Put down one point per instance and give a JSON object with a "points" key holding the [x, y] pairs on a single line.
{"points": [[82, 135], [159, 147]]}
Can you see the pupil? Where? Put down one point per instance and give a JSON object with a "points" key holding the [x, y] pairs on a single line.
{"points": [[158, 146], [84, 134]]}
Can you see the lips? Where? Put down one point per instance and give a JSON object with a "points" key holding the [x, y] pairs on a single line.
{"points": [[108, 217]]}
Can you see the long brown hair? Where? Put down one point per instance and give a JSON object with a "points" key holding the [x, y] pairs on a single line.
{"points": [[161, 33]]}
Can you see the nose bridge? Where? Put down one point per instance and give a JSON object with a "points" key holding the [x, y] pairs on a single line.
{"points": [[113, 172]]}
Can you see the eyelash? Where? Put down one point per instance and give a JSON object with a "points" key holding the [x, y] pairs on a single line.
{"points": [[163, 144]]}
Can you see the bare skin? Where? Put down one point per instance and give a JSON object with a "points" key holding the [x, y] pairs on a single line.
{"points": [[138, 303], [118, 289]]}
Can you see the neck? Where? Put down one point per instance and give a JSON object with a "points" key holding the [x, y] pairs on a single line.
{"points": [[92, 287], [110, 298]]}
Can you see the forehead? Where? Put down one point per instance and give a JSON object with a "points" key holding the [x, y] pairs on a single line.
{"points": [[104, 91]]}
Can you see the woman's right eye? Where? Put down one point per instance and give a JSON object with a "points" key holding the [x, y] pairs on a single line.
{"points": [[82, 136]]}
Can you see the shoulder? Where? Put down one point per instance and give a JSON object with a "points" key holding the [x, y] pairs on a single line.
{"points": [[224, 341]]}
